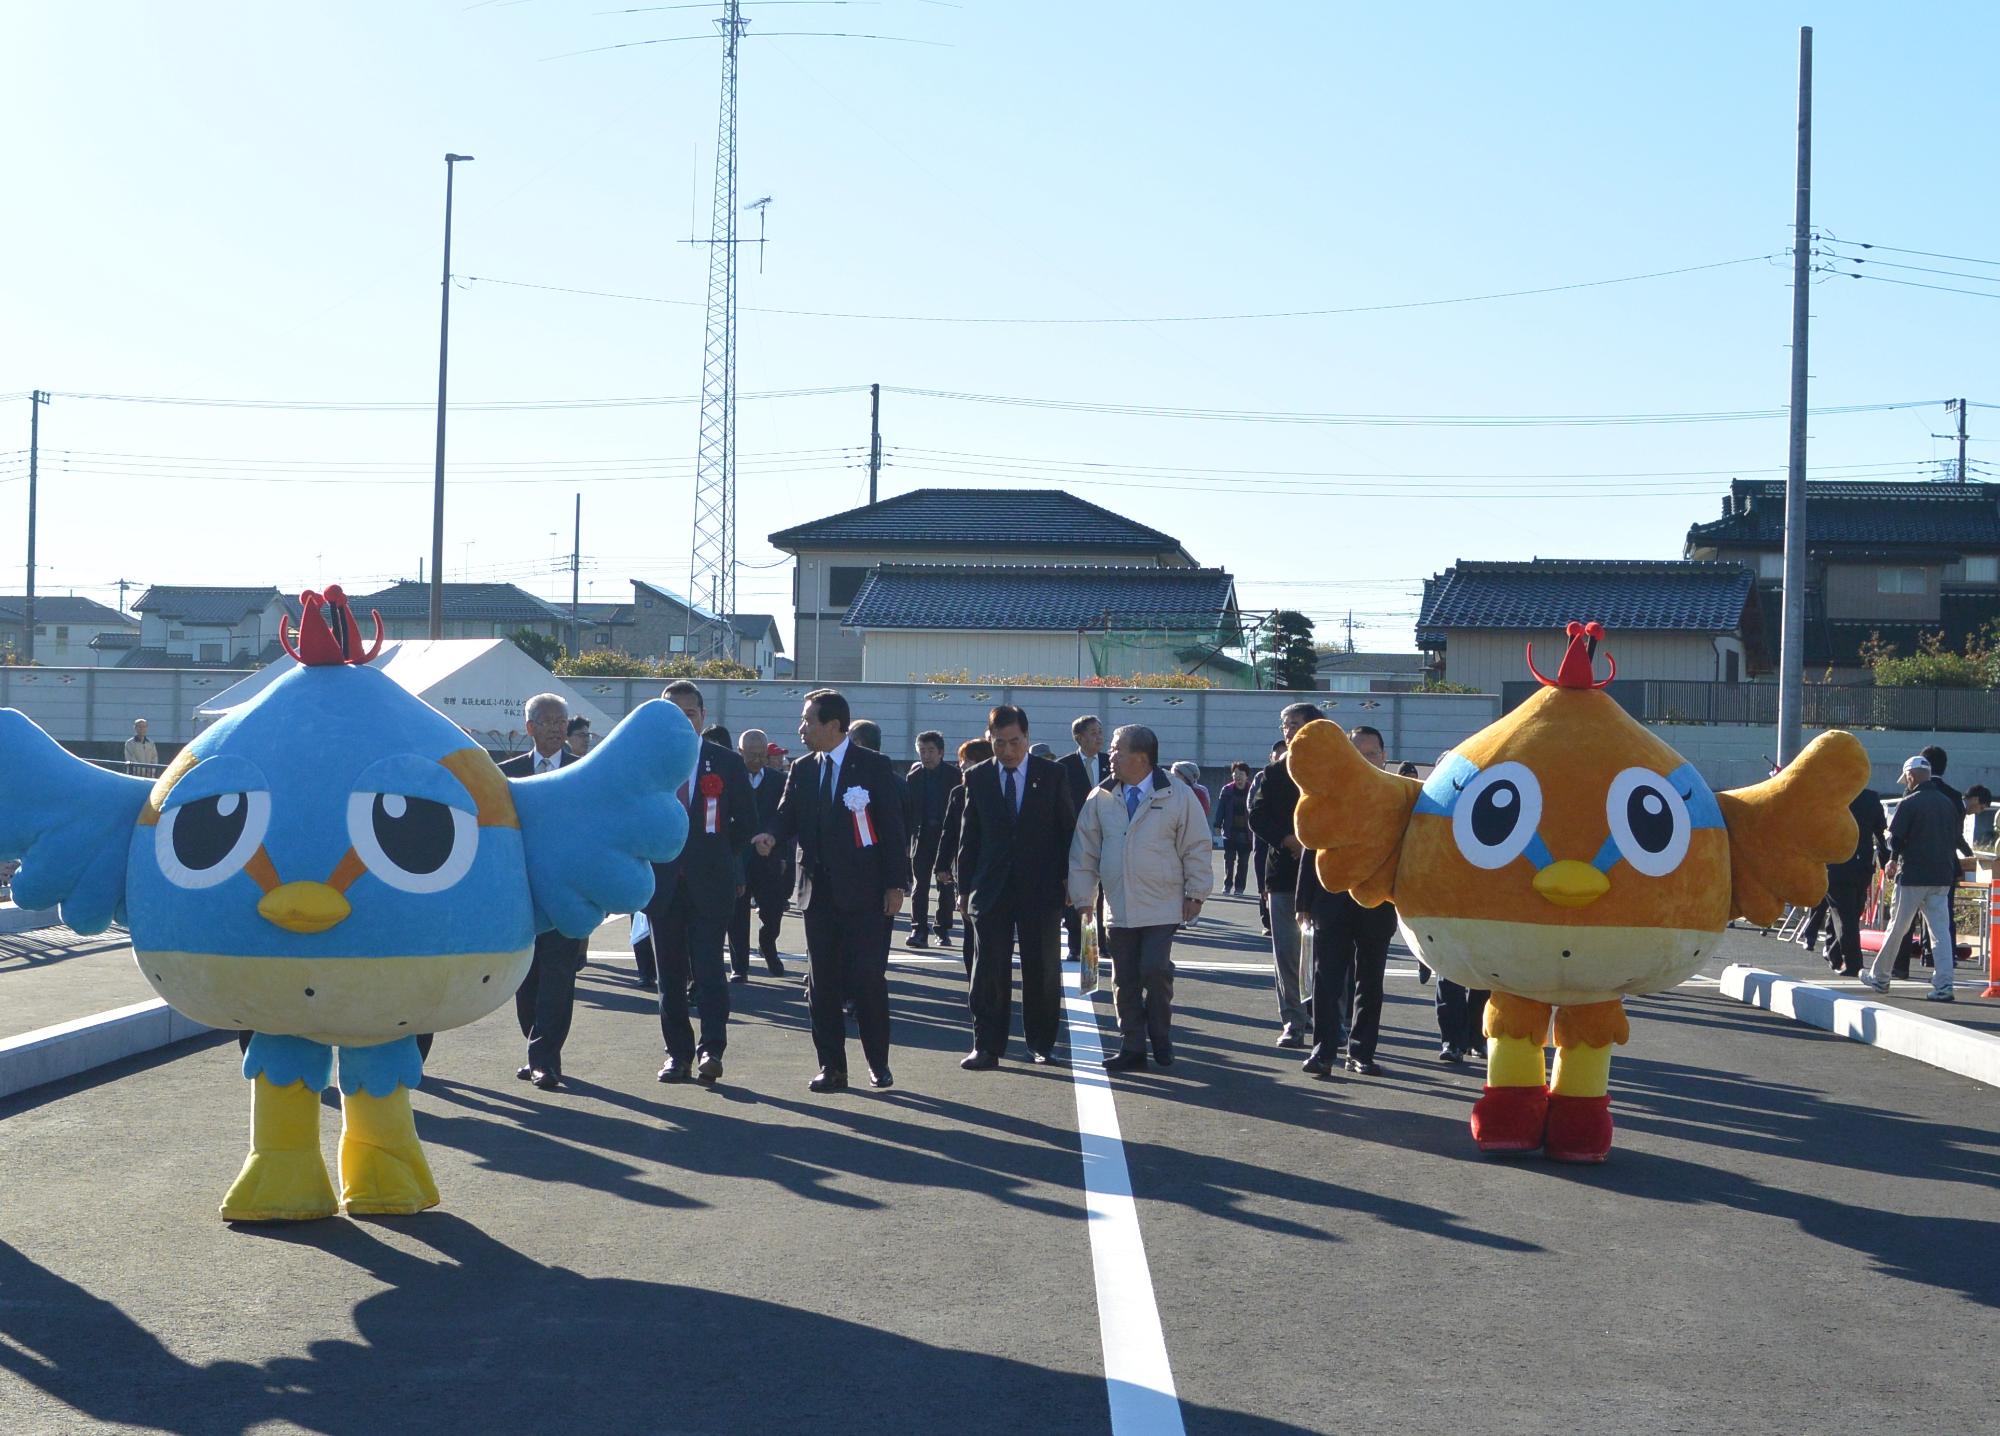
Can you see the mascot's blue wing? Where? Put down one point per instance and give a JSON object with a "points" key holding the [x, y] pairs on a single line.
{"points": [[593, 830], [68, 822]]}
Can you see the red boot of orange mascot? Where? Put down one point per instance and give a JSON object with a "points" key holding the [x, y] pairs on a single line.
{"points": [[1565, 858]]}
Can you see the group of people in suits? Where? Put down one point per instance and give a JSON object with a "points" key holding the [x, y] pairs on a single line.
{"points": [[993, 838]]}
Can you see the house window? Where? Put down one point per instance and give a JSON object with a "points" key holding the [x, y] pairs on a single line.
{"points": [[645, 603], [677, 644], [1982, 568], [177, 634], [62, 633], [842, 584], [211, 653], [1771, 565], [1899, 580], [1732, 667]]}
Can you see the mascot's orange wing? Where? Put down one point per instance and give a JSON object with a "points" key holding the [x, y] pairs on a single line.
{"points": [[1350, 811], [1784, 831]]}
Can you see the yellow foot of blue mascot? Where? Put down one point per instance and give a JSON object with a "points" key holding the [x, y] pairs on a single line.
{"points": [[335, 868], [1563, 859]]}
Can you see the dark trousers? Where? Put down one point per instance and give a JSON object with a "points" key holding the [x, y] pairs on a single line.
{"points": [[923, 864], [546, 999], [1350, 956], [1142, 967], [768, 885], [1845, 897], [642, 959], [991, 994], [969, 948], [847, 954], [687, 945], [1815, 921], [1235, 863], [1461, 1015]]}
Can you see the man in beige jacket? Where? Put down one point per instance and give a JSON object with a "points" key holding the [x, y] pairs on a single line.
{"points": [[1143, 839]]}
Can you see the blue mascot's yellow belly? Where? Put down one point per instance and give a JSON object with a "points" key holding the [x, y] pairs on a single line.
{"points": [[343, 1001]]}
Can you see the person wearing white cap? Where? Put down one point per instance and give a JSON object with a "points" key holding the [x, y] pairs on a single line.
{"points": [[1923, 836]]}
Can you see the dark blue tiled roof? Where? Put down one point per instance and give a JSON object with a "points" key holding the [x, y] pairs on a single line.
{"points": [[1052, 598], [208, 606], [483, 602], [1644, 595], [1956, 517], [63, 608], [989, 518]]}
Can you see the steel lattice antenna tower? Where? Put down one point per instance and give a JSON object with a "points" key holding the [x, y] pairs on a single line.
{"points": [[712, 562]]}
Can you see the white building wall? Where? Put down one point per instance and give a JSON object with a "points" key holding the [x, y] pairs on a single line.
{"points": [[907, 655], [1489, 657]]}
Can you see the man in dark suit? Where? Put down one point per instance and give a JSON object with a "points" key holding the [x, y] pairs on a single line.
{"points": [[929, 785], [1271, 811], [766, 881], [694, 897], [1013, 862], [844, 807], [1082, 770], [1848, 881], [546, 999]]}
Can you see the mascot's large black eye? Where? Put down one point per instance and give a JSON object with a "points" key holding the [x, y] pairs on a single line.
{"points": [[1649, 821], [415, 845], [207, 829], [1496, 815], [205, 841], [415, 833]]}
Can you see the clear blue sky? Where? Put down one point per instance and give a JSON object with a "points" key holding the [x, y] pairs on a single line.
{"points": [[243, 201]]}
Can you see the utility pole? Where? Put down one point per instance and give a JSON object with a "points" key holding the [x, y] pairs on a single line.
{"points": [[1791, 651], [575, 567], [123, 584], [874, 439], [1958, 406], [35, 401], [444, 357]]}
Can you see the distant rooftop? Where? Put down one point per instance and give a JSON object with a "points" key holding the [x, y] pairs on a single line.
{"points": [[209, 607], [1622, 594], [1841, 515], [61, 608], [478, 602], [1051, 519], [1051, 598]]}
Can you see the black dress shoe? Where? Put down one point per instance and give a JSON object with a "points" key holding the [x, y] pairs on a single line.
{"points": [[880, 1077], [673, 1070], [978, 1060], [830, 1079], [1040, 1059], [774, 964], [1450, 1055], [708, 1070], [944, 939], [526, 1074], [1126, 1062], [548, 1081], [1364, 1065], [917, 940], [739, 976], [648, 986], [1163, 1056], [1319, 1064]]}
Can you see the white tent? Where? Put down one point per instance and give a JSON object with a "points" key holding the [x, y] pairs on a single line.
{"points": [[478, 683]]}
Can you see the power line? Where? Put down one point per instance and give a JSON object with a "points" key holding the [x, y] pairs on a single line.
{"points": [[1159, 411], [1130, 319], [1923, 253], [1913, 268], [1906, 283], [490, 406]]}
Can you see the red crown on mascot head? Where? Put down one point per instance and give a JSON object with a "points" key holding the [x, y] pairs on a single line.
{"points": [[1576, 671], [328, 633]]}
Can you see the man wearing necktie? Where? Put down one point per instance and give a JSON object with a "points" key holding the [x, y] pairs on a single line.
{"points": [[694, 897], [546, 999], [1013, 862], [844, 807]]}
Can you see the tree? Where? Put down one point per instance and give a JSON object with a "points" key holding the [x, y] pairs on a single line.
{"points": [[538, 646], [1293, 661]]}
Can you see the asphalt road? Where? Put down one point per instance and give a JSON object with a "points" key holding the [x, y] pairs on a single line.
{"points": [[1794, 1233]]}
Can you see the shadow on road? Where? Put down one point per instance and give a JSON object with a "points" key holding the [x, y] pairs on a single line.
{"points": [[472, 1335]]}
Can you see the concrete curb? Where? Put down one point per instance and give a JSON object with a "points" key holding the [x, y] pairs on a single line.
{"points": [[1907, 1034], [26, 919], [50, 1054]]}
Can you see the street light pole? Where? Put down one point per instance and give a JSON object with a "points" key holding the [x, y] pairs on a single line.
{"points": [[444, 357]]}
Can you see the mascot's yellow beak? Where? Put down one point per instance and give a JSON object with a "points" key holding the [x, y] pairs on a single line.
{"points": [[310, 907], [1568, 883]]}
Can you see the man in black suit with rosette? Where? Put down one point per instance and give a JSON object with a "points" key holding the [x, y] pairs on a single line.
{"points": [[844, 807]]}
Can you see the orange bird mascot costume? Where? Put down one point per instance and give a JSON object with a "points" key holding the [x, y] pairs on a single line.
{"points": [[1565, 858]]}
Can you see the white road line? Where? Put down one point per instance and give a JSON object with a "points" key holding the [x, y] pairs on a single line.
{"points": [[1136, 1374]]}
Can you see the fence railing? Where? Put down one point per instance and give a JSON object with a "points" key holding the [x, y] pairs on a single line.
{"points": [[1827, 705]]}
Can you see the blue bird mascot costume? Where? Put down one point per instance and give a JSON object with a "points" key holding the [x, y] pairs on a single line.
{"points": [[335, 868]]}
